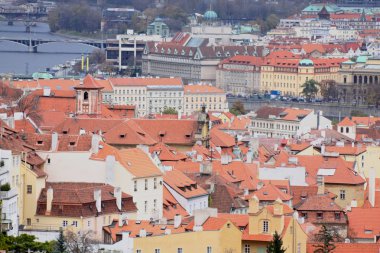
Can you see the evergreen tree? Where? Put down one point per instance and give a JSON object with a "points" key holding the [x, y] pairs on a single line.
{"points": [[275, 246], [310, 89], [325, 241], [60, 245], [237, 108]]}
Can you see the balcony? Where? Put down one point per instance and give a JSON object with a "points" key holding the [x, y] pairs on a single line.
{"points": [[4, 195]]}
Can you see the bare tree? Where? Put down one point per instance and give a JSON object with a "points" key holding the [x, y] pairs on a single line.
{"points": [[81, 242], [28, 105]]}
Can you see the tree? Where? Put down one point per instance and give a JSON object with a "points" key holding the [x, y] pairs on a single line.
{"points": [[275, 246], [170, 110], [325, 241], [82, 242], [310, 89], [23, 243], [329, 89], [60, 245], [237, 108], [373, 95]]}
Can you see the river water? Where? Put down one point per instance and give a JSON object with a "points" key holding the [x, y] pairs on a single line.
{"points": [[15, 58]]}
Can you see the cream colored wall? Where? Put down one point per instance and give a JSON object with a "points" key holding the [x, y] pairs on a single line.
{"points": [[308, 151], [28, 203], [221, 241], [294, 239], [276, 223], [353, 192], [372, 160], [193, 102]]}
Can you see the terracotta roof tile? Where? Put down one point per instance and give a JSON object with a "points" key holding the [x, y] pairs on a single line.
{"points": [[183, 185], [346, 122], [364, 222], [200, 89], [171, 207], [318, 203]]}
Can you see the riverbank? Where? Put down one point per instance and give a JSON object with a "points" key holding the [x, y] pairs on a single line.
{"points": [[82, 36]]}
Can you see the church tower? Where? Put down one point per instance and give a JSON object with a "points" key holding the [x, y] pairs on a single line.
{"points": [[88, 96]]}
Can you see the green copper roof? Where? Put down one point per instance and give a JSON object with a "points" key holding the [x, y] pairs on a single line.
{"points": [[306, 62], [331, 8], [210, 15], [361, 59], [42, 75]]}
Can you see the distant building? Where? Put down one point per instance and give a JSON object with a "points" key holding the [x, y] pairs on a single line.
{"points": [[158, 27], [192, 59], [286, 122], [195, 96], [126, 50]]}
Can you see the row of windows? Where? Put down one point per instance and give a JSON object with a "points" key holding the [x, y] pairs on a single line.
{"points": [[146, 185], [179, 250], [203, 99], [275, 125], [123, 92]]}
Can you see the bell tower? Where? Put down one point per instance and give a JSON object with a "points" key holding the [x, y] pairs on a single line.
{"points": [[88, 96]]}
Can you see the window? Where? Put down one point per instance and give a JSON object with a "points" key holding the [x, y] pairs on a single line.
{"points": [[337, 216], [247, 248], [88, 223], [179, 250], [209, 249], [342, 194], [154, 204], [138, 251], [157, 251], [28, 222], [29, 189], [145, 206], [146, 184], [265, 226], [135, 186], [304, 215], [85, 95], [155, 183], [64, 223], [319, 215], [75, 224]]}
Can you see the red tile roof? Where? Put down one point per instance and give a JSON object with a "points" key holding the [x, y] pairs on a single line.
{"points": [[77, 200], [201, 89], [89, 82], [183, 185], [346, 122], [171, 207], [270, 192], [346, 150], [166, 153], [363, 222], [350, 247], [318, 203]]}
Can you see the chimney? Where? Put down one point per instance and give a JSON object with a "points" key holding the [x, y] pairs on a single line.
{"points": [[179, 114], [321, 185], [49, 199], [278, 208], [54, 141], [246, 192], [372, 186], [275, 147], [254, 204], [354, 203], [177, 220], [323, 133], [323, 149], [352, 144], [123, 219], [46, 92], [110, 164], [142, 233], [117, 195], [98, 199], [95, 143]]}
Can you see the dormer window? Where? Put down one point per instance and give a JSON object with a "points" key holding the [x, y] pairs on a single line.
{"points": [[72, 143], [40, 142], [265, 226], [85, 96], [122, 135], [183, 52]]}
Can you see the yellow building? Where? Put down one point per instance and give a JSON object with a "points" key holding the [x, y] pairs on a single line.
{"points": [[265, 221], [197, 95], [288, 75], [206, 233]]}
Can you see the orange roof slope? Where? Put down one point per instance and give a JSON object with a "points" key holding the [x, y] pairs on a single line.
{"points": [[183, 185], [138, 163], [364, 222], [270, 192], [171, 207], [346, 122]]}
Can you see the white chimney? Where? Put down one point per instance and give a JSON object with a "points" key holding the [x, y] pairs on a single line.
{"points": [[179, 114], [49, 199], [98, 200], [54, 141], [352, 144], [142, 232], [46, 92], [275, 147], [246, 192], [354, 203], [110, 164], [372, 186], [95, 143], [323, 149], [117, 195], [123, 219], [177, 220], [323, 133]]}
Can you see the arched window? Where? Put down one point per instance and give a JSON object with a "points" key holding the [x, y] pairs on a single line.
{"points": [[85, 95], [347, 130], [355, 79], [365, 79]]}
